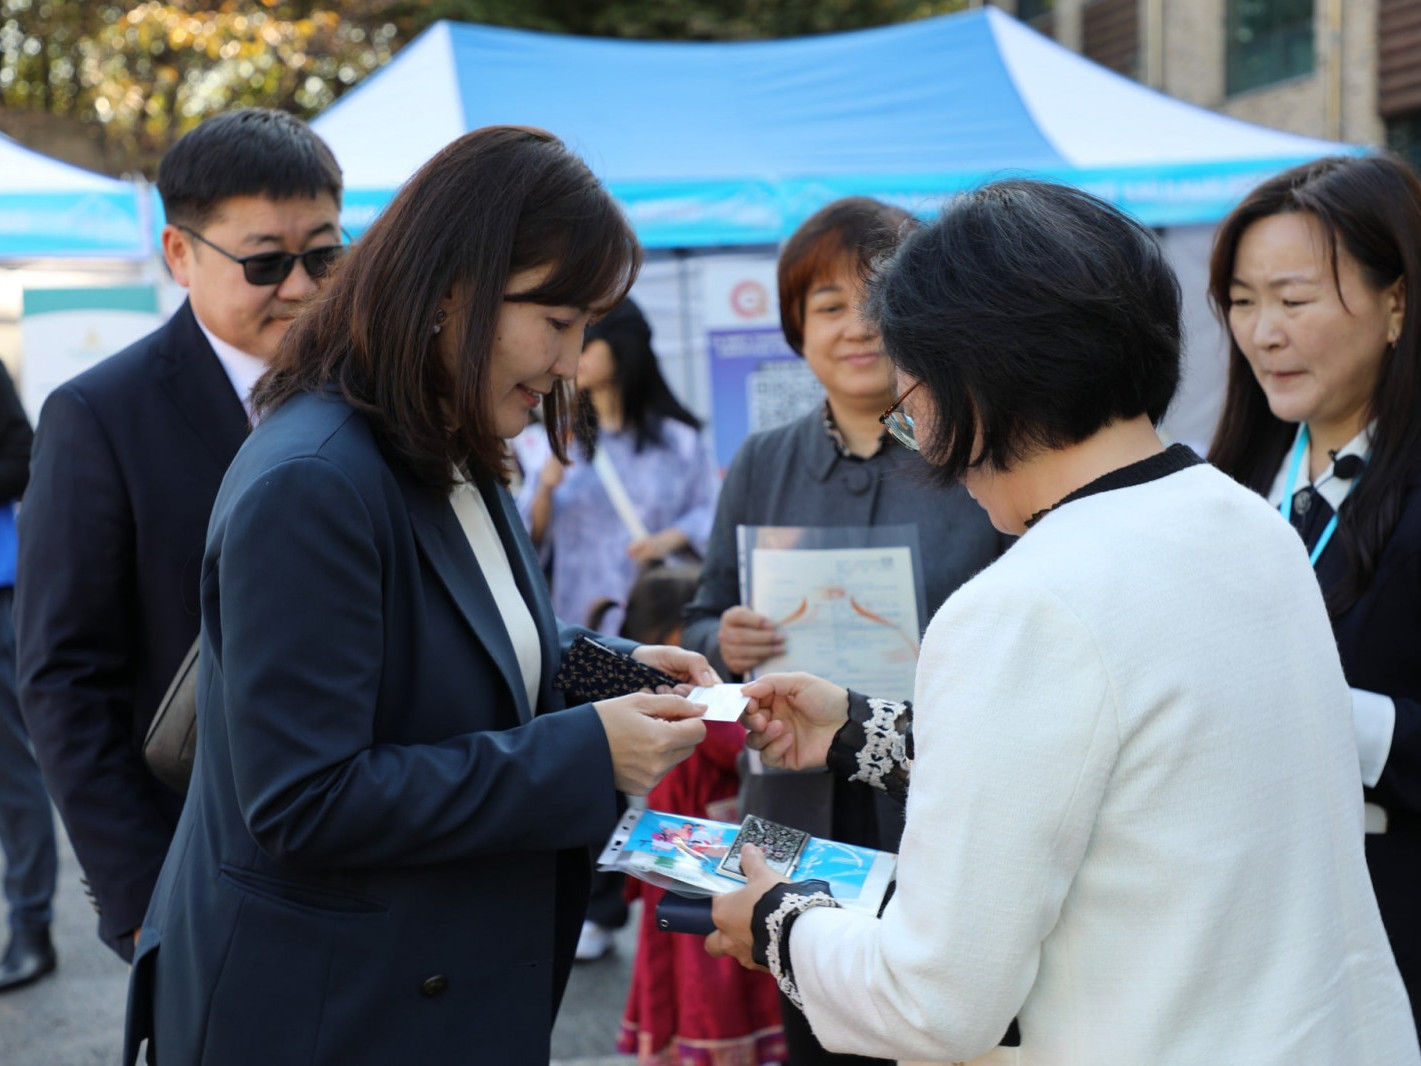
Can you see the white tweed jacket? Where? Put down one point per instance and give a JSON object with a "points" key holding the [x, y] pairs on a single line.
{"points": [[1135, 818]]}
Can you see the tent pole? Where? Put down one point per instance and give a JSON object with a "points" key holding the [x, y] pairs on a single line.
{"points": [[683, 300]]}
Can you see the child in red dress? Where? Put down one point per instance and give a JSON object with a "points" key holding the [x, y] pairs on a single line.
{"points": [[686, 1008]]}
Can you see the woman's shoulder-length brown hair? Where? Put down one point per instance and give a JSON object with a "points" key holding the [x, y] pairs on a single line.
{"points": [[494, 202], [853, 232]]}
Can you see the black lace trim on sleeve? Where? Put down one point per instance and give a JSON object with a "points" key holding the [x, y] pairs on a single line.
{"points": [[875, 745], [774, 917]]}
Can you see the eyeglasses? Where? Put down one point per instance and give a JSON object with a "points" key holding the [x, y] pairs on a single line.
{"points": [[898, 423], [272, 268]]}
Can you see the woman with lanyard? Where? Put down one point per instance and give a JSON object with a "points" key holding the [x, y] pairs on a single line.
{"points": [[1113, 835], [1313, 276]]}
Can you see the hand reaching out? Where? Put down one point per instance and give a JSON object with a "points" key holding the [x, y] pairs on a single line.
{"points": [[792, 719]]}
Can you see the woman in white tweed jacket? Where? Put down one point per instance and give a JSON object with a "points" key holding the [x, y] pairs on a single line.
{"points": [[1134, 831]]}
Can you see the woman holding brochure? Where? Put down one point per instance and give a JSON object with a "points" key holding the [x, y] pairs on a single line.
{"points": [[834, 467], [1316, 276], [382, 858], [1134, 827]]}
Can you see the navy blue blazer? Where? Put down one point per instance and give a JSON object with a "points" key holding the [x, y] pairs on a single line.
{"points": [[126, 463], [383, 853], [1379, 639]]}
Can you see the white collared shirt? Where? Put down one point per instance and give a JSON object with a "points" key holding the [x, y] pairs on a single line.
{"points": [[1329, 486], [242, 368], [477, 524], [1373, 715]]}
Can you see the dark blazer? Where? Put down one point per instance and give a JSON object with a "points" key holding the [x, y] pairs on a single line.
{"points": [[1379, 639], [127, 461], [383, 854]]}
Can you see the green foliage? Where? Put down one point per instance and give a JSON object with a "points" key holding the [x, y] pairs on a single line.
{"points": [[684, 20], [143, 74], [146, 73]]}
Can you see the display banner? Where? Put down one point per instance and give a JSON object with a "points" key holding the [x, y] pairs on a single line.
{"points": [[757, 381], [63, 332]]}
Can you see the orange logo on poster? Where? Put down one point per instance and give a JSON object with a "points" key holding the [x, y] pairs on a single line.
{"points": [[749, 299]]}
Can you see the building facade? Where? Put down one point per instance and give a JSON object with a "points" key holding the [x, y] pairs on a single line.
{"points": [[1347, 70]]}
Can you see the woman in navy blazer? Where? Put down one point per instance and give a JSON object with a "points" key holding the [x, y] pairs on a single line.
{"points": [[1315, 274], [383, 856]]}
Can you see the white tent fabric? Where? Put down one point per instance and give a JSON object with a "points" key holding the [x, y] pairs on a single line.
{"points": [[1095, 118], [713, 144], [49, 208]]}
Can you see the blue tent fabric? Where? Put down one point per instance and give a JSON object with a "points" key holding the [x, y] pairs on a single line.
{"points": [[736, 143], [51, 209]]}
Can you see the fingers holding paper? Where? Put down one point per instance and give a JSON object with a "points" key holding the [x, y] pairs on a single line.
{"points": [[649, 734], [747, 639], [792, 719], [691, 667], [733, 913]]}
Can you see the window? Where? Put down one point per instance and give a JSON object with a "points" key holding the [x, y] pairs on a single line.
{"points": [[1038, 14], [1403, 136], [1110, 35], [1268, 41]]}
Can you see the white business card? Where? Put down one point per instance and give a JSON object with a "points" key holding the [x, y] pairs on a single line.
{"points": [[724, 703]]}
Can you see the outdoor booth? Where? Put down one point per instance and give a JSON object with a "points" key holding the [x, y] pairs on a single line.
{"points": [[719, 150], [76, 270]]}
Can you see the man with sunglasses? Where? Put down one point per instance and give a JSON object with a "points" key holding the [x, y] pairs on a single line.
{"points": [[126, 464]]}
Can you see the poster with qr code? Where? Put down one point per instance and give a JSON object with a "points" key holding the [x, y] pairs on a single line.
{"points": [[780, 391], [757, 381]]}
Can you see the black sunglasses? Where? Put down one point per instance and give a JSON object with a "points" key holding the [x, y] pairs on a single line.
{"points": [[272, 268]]}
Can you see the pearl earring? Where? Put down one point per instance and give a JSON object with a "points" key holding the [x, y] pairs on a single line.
{"points": [[439, 317]]}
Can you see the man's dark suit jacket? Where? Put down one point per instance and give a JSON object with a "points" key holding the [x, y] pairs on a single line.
{"points": [[126, 464], [383, 854]]}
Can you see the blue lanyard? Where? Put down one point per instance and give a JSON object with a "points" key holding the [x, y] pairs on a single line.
{"points": [[1285, 505]]}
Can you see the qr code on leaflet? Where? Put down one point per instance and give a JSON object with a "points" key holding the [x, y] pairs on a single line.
{"points": [[780, 391]]}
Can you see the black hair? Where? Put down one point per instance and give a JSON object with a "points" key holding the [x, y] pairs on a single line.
{"points": [[646, 398], [1035, 314], [370, 331], [1371, 206], [255, 151], [656, 602]]}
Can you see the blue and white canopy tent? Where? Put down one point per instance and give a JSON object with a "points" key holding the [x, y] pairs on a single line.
{"points": [[50, 209], [714, 145]]}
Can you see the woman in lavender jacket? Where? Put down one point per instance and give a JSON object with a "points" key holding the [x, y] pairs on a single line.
{"points": [[626, 411]]}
